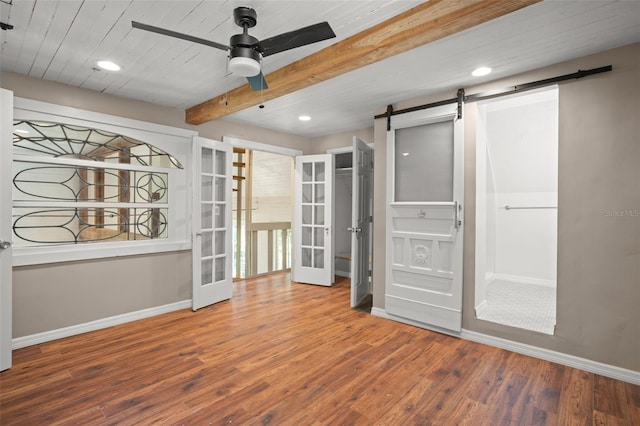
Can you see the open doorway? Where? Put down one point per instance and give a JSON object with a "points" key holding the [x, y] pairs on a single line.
{"points": [[353, 207], [262, 210], [516, 210]]}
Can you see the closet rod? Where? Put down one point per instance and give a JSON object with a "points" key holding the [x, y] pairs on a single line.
{"points": [[499, 92]]}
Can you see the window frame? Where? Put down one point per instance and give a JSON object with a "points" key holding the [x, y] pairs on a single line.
{"points": [[175, 141]]}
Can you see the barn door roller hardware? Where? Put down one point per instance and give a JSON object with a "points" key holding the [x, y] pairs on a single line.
{"points": [[461, 97]]}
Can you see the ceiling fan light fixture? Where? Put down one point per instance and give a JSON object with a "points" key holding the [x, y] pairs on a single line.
{"points": [[243, 60], [245, 67]]}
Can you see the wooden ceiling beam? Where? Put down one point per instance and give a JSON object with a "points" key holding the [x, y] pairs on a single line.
{"points": [[428, 22]]}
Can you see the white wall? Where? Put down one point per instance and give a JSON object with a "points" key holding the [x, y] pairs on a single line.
{"points": [[271, 209], [526, 240], [521, 171]]}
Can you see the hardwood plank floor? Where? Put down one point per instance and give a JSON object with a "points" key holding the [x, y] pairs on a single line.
{"points": [[294, 354]]}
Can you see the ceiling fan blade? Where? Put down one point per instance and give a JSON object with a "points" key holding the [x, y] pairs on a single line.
{"points": [[257, 82], [175, 34], [297, 38]]}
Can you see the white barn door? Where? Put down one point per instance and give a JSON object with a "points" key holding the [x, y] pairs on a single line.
{"points": [[212, 244], [6, 232], [424, 222], [361, 220], [313, 220]]}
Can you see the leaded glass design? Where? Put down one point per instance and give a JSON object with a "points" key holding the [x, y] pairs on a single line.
{"points": [[77, 225], [61, 198], [63, 140], [35, 181]]}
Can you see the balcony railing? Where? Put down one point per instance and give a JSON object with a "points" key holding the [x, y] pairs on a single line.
{"points": [[272, 238]]}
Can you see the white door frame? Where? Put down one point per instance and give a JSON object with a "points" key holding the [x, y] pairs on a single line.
{"points": [[6, 269], [273, 149]]}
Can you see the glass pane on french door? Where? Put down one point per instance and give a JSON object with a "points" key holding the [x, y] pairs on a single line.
{"points": [[313, 205], [207, 216], [220, 206], [213, 208]]}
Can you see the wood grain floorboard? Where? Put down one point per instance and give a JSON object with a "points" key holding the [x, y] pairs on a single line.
{"points": [[283, 353]]}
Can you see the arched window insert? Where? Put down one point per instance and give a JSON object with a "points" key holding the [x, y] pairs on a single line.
{"points": [[75, 185]]}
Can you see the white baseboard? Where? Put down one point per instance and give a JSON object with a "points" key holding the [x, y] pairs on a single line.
{"points": [[47, 336], [595, 367], [523, 280], [343, 274]]}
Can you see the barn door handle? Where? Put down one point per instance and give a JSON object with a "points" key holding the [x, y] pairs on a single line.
{"points": [[457, 207]]}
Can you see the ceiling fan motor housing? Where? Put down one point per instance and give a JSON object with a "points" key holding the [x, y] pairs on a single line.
{"points": [[244, 60], [246, 52]]}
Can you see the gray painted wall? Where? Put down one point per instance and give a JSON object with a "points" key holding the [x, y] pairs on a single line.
{"points": [[599, 173], [321, 144], [53, 296]]}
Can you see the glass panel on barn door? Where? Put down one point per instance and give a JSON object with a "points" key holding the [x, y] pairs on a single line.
{"points": [[424, 163]]}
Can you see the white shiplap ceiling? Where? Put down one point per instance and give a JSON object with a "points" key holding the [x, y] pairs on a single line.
{"points": [[60, 40]]}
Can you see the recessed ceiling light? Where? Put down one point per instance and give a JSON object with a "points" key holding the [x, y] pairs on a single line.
{"points": [[304, 118], [479, 72], [109, 66], [405, 154]]}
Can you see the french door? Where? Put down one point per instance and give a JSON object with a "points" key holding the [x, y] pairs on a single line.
{"points": [[6, 232], [313, 220], [424, 217], [212, 243], [362, 185]]}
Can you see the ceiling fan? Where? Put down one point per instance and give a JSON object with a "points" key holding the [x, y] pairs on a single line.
{"points": [[245, 51]]}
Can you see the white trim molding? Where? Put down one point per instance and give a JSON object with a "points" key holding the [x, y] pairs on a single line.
{"points": [[588, 365], [173, 140], [343, 274], [47, 336], [591, 366]]}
